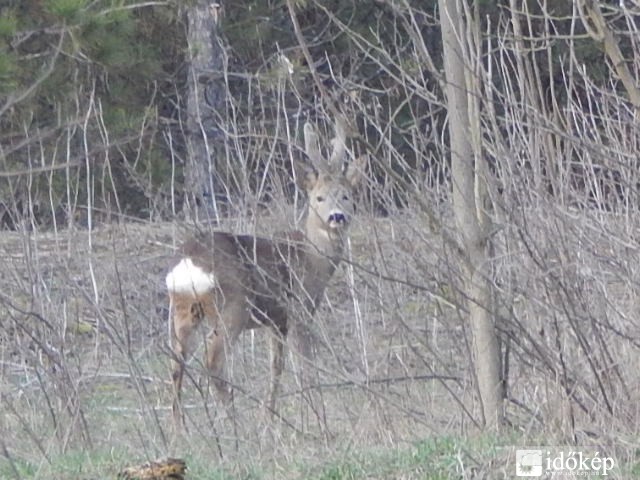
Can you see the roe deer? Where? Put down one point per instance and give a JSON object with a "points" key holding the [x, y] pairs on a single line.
{"points": [[240, 282]]}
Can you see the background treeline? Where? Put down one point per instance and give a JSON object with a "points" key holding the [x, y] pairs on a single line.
{"points": [[93, 92]]}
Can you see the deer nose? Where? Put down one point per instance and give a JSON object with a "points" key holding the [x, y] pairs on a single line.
{"points": [[338, 218]]}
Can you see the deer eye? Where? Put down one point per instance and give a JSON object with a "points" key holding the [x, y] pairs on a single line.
{"points": [[345, 198], [319, 199]]}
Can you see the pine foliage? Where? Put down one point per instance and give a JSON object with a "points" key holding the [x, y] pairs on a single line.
{"points": [[100, 86]]}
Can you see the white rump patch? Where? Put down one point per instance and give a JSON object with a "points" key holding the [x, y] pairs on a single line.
{"points": [[186, 277]]}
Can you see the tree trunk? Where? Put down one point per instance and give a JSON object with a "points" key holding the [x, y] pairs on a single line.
{"points": [[205, 106], [469, 202], [596, 25]]}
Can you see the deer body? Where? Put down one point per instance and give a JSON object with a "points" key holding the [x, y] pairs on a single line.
{"points": [[239, 282]]}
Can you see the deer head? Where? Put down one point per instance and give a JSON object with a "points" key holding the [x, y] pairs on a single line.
{"points": [[329, 183]]}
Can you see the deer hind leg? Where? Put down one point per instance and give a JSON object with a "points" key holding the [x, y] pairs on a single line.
{"points": [[233, 319], [185, 314]]}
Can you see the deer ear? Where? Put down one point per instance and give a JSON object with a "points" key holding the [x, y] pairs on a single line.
{"points": [[355, 170]]}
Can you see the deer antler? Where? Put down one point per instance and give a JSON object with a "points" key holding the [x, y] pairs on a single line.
{"points": [[311, 145], [339, 141]]}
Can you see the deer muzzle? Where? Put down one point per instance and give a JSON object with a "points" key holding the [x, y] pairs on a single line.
{"points": [[336, 219]]}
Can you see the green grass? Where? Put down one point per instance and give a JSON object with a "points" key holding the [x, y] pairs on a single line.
{"points": [[442, 458], [434, 459], [70, 466], [429, 459]]}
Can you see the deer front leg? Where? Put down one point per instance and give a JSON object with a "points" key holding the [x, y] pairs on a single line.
{"points": [[301, 337], [304, 345], [277, 365]]}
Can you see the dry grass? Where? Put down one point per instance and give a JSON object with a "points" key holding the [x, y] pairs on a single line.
{"points": [[85, 377]]}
